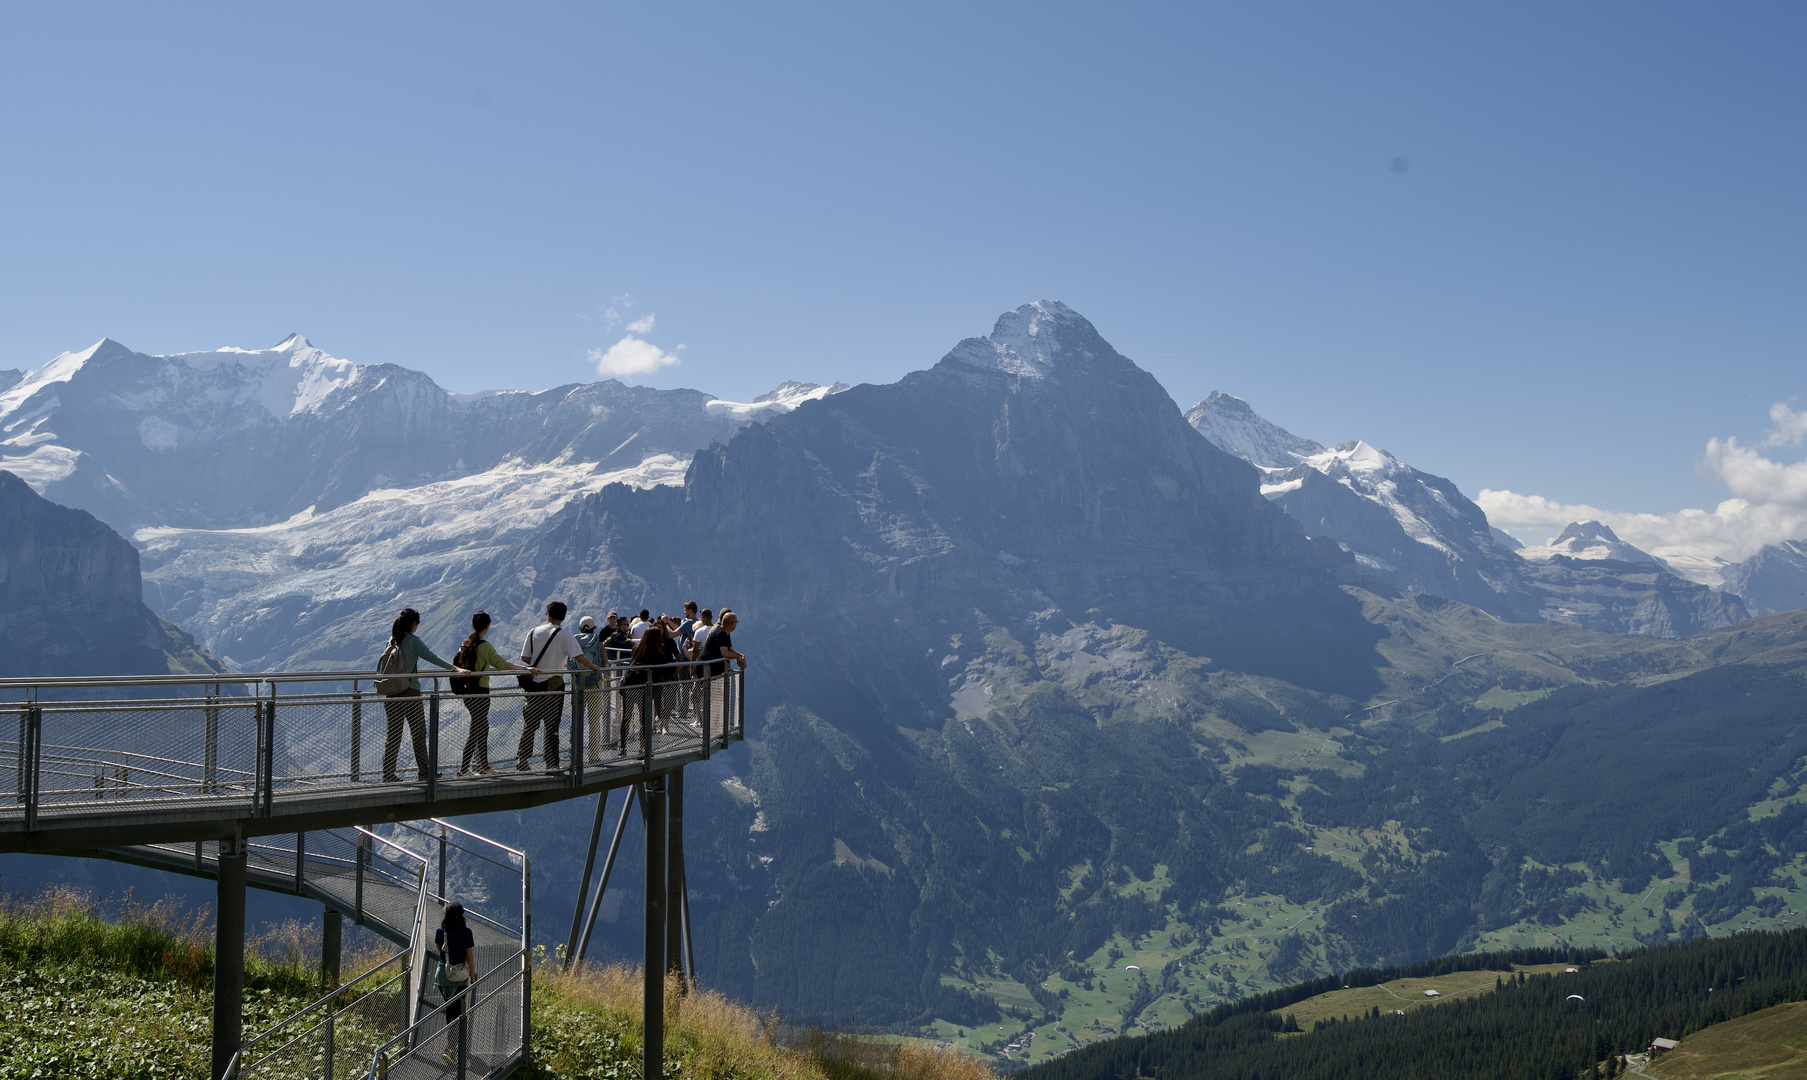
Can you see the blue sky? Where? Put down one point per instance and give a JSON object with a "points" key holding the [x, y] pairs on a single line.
{"points": [[1551, 249]]}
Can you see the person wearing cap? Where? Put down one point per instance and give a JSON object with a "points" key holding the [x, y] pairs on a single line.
{"points": [[591, 641]]}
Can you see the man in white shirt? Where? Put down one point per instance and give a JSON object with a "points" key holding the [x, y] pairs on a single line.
{"points": [[641, 622], [548, 649]]}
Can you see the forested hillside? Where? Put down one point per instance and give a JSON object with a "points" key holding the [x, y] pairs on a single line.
{"points": [[1535, 1027]]}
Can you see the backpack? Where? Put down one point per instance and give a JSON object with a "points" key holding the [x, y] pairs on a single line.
{"points": [[390, 663]]}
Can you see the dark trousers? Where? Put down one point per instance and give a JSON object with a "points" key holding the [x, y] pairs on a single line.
{"points": [[637, 698], [476, 742], [405, 707], [544, 708]]}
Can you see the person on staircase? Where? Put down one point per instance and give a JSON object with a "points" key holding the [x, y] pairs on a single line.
{"points": [[457, 972], [405, 706], [478, 656]]}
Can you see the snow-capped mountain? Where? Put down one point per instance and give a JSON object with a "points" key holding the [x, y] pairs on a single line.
{"points": [[238, 438], [1233, 426], [1592, 541], [277, 489], [1414, 529], [1418, 532], [1774, 579]]}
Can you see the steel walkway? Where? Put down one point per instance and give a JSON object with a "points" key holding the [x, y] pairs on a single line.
{"points": [[243, 756], [314, 784]]}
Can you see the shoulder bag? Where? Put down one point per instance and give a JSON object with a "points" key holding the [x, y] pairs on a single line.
{"points": [[526, 680]]}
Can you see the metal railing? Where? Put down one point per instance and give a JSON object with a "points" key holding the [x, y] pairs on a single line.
{"points": [[79, 746], [382, 1009]]}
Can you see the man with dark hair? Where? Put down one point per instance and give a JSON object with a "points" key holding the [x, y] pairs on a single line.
{"points": [[718, 649], [548, 651]]}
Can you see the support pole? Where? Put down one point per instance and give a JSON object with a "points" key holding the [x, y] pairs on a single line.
{"points": [[608, 866], [652, 1040], [228, 956], [674, 874], [332, 938], [583, 892], [684, 914]]}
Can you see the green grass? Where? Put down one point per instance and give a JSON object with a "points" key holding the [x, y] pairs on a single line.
{"points": [[1766, 1045], [88, 996], [124, 992]]}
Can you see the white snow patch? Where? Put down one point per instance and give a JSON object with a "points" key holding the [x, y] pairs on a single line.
{"points": [[44, 466], [781, 400], [59, 370]]}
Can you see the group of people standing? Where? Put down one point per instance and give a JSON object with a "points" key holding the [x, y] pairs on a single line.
{"points": [[672, 668]]}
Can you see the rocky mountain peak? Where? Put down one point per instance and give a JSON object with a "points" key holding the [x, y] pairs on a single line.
{"points": [[1233, 426], [1032, 341], [1591, 540]]}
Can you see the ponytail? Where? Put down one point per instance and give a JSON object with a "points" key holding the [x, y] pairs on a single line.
{"points": [[466, 657], [403, 625]]}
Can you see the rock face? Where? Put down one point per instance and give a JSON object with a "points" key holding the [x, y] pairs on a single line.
{"points": [[1630, 598], [1416, 531], [1774, 579], [70, 597], [1034, 475]]}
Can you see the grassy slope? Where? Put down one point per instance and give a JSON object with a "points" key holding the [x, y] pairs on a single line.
{"points": [[1767, 1045], [131, 998]]}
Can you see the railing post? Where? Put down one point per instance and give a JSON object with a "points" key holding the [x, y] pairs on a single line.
{"points": [[300, 859], [327, 1063], [23, 755], [34, 734], [432, 762], [703, 722], [464, 1036], [577, 728], [740, 702], [442, 895], [210, 754], [358, 896], [268, 764], [708, 686], [526, 955], [357, 728]]}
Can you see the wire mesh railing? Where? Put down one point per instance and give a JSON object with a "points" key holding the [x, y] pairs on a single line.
{"points": [[432, 862], [245, 743]]}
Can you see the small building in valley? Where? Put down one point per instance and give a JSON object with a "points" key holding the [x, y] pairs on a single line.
{"points": [[1663, 1046]]}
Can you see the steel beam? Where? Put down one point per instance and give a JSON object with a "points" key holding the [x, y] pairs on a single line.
{"points": [[228, 957], [652, 1039]]}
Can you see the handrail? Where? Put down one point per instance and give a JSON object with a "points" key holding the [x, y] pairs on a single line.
{"points": [[474, 836], [331, 995], [245, 677], [509, 967], [385, 841]]}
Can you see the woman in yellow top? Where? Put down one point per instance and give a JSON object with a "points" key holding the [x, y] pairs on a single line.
{"points": [[477, 655]]}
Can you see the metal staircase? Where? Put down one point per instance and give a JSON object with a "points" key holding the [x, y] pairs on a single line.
{"points": [[393, 880]]}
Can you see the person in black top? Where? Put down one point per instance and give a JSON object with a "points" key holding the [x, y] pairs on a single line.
{"points": [[457, 956], [718, 649]]}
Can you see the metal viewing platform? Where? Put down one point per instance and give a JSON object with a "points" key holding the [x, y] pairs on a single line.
{"points": [[317, 785], [186, 759]]}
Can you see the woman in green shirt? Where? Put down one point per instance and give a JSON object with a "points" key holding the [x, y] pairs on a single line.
{"points": [[405, 707], [477, 655]]}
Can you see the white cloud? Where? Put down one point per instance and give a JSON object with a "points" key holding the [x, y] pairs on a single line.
{"points": [[1790, 426], [641, 326], [1768, 503], [632, 356]]}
